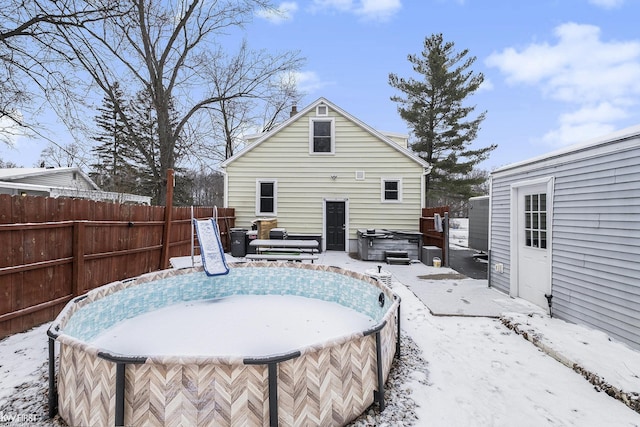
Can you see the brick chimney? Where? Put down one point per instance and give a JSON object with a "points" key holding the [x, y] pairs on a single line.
{"points": [[294, 111]]}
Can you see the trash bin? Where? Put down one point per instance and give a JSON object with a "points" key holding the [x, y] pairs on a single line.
{"points": [[238, 242], [251, 235]]}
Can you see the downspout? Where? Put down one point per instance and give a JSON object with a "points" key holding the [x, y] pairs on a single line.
{"points": [[223, 169], [551, 188], [549, 297], [425, 184]]}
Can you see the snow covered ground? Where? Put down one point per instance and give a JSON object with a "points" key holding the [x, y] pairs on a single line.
{"points": [[454, 371], [458, 232]]}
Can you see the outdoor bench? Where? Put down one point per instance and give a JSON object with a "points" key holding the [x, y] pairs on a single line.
{"points": [[283, 257]]}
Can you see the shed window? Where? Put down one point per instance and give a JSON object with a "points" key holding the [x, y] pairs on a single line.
{"points": [[391, 190], [266, 197], [535, 220], [321, 136]]}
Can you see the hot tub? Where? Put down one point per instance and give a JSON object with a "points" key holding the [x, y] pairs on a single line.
{"points": [[324, 382], [374, 243]]}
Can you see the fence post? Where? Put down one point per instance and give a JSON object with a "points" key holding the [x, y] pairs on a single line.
{"points": [[166, 232], [78, 280], [445, 240]]}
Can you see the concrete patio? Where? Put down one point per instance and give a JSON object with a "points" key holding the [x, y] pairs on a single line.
{"points": [[443, 290]]}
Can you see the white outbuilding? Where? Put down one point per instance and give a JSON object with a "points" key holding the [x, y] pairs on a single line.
{"points": [[565, 233]]}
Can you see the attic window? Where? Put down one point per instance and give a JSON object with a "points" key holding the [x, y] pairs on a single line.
{"points": [[75, 176], [322, 110], [359, 175], [321, 136]]}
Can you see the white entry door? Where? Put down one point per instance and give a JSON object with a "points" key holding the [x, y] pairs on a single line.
{"points": [[532, 231]]}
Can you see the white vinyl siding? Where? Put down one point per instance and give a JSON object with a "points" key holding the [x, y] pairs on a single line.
{"points": [[595, 226], [305, 180], [401, 139], [66, 179]]}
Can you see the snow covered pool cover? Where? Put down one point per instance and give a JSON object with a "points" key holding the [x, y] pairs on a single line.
{"points": [[109, 305], [329, 380], [234, 326]]}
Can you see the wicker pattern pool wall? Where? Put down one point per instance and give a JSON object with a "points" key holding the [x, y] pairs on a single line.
{"points": [[330, 383]]}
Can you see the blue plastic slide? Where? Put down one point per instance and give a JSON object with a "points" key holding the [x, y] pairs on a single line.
{"points": [[213, 260]]}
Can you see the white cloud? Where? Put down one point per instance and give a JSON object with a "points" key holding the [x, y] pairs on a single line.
{"points": [[586, 123], [10, 132], [568, 134], [375, 10], [308, 81], [600, 79], [607, 4], [486, 86], [378, 10], [341, 5], [604, 112], [284, 12]]}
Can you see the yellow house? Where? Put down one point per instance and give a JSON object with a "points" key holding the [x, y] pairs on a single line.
{"points": [[324, 172]]}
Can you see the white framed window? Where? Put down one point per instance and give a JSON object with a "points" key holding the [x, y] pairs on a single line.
{"points": [[360, 176], [322, 110], [535, 220], [321, 136], [266, 197], [391, 190]]}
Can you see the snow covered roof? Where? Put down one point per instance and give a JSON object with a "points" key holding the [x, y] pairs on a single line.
{"points": [[15, 174], [53, 183]]}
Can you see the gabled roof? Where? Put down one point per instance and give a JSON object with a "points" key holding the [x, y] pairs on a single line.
{"points": [[10, 178], [334, 107], [13, 174]]}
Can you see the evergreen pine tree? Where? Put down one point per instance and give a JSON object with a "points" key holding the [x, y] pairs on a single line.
{"points": [[112, 169], [146, 157], [434, 109]]}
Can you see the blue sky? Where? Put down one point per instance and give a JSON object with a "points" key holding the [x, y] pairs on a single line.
{"points": [[556, 71]]}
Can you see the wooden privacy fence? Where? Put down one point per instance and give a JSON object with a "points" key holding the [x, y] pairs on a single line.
{"points": [[433, 237], [53, 250]]}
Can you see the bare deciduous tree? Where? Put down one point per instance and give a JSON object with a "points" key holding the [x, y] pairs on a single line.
{"points": [[30, 57], [230, 120], [62, 156], [168, 48]]}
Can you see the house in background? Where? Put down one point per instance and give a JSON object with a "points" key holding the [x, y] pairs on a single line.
{"points": [[60, 182], [325, 172], [565, 233]]}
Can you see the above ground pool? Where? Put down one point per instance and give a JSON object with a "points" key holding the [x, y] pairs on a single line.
{"points": [[268, 344]]}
